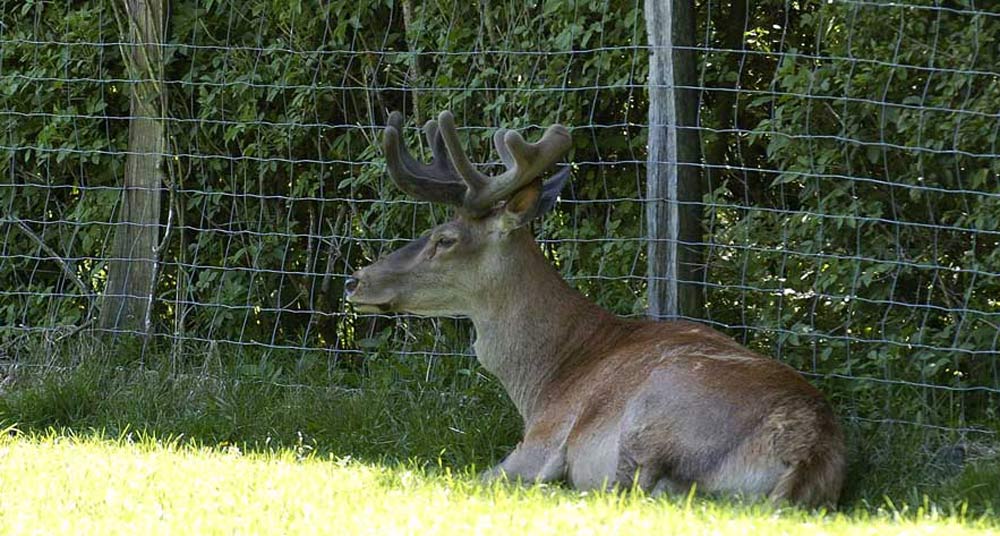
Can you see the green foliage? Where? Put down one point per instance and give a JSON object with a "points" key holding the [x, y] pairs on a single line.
{"points": [[276, 191], [860, 222]]}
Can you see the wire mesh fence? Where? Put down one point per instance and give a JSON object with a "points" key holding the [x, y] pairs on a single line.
{"points": [[854, 175], [849, 151]]}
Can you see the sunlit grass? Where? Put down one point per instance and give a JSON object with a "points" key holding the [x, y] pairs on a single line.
{"points": [[53, 484]]}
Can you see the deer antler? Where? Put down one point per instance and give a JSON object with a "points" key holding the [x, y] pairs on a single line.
{"points": [[450, 177]]}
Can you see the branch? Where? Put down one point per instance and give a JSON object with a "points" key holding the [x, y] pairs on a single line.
{"points": [[66, 268]]}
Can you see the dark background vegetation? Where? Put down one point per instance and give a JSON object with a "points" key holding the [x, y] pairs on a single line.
{"points": [[852, 226]]}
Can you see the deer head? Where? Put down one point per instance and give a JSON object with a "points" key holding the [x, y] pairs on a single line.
{"points": [[444, 272]]}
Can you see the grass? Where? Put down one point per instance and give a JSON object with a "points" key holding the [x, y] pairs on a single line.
{"points": [[381, 411], [280, 443], [55, 484]]}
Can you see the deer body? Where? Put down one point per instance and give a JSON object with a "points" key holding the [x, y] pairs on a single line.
{"points": [[605, 401]]}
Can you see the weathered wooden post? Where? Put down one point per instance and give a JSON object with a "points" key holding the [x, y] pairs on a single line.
{"points": [[674, 188]]}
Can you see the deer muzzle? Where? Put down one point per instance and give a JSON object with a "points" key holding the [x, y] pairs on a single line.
{"points": [[359, 292]]}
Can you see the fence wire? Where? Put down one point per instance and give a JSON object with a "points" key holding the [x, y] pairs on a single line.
{"points": [[849, 148]]}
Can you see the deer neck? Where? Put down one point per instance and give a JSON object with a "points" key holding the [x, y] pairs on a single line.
{"points": [[532, 324]]}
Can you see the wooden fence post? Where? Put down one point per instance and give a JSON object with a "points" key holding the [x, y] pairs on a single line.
{"points": [[674, 187]]}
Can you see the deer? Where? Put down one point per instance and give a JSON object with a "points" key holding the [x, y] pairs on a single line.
{"points": [[606, 402]]}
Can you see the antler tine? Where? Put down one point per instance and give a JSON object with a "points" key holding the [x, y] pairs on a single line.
{"points": [[436, 182], [476, 180], [451, 178], [505, 156], [524, 161]]}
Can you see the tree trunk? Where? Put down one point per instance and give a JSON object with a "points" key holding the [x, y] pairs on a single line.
{"points": [[132, 268]]}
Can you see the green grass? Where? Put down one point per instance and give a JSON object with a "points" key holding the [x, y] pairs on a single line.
{"points": [[54, 484], [381, 411], [259, 443]]}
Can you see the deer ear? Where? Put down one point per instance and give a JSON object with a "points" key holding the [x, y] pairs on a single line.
{"points": [[551, 189], [521, 208], [532, 201]]}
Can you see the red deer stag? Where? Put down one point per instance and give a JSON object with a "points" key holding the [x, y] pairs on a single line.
{"points": [[606, 401]]}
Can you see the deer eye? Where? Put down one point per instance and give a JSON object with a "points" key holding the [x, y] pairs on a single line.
{"points": [[446, 242]]}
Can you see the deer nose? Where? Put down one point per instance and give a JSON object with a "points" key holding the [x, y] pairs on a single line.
{"points": [[351, 285]]}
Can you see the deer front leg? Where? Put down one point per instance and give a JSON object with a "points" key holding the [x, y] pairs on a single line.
{"points": [[530, 463]]}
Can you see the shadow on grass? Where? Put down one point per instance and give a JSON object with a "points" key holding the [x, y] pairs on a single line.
{"points": [[385, 411]]}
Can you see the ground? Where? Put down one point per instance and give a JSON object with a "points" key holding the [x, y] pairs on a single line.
{"points": [[99, 441], [56, 484]]}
